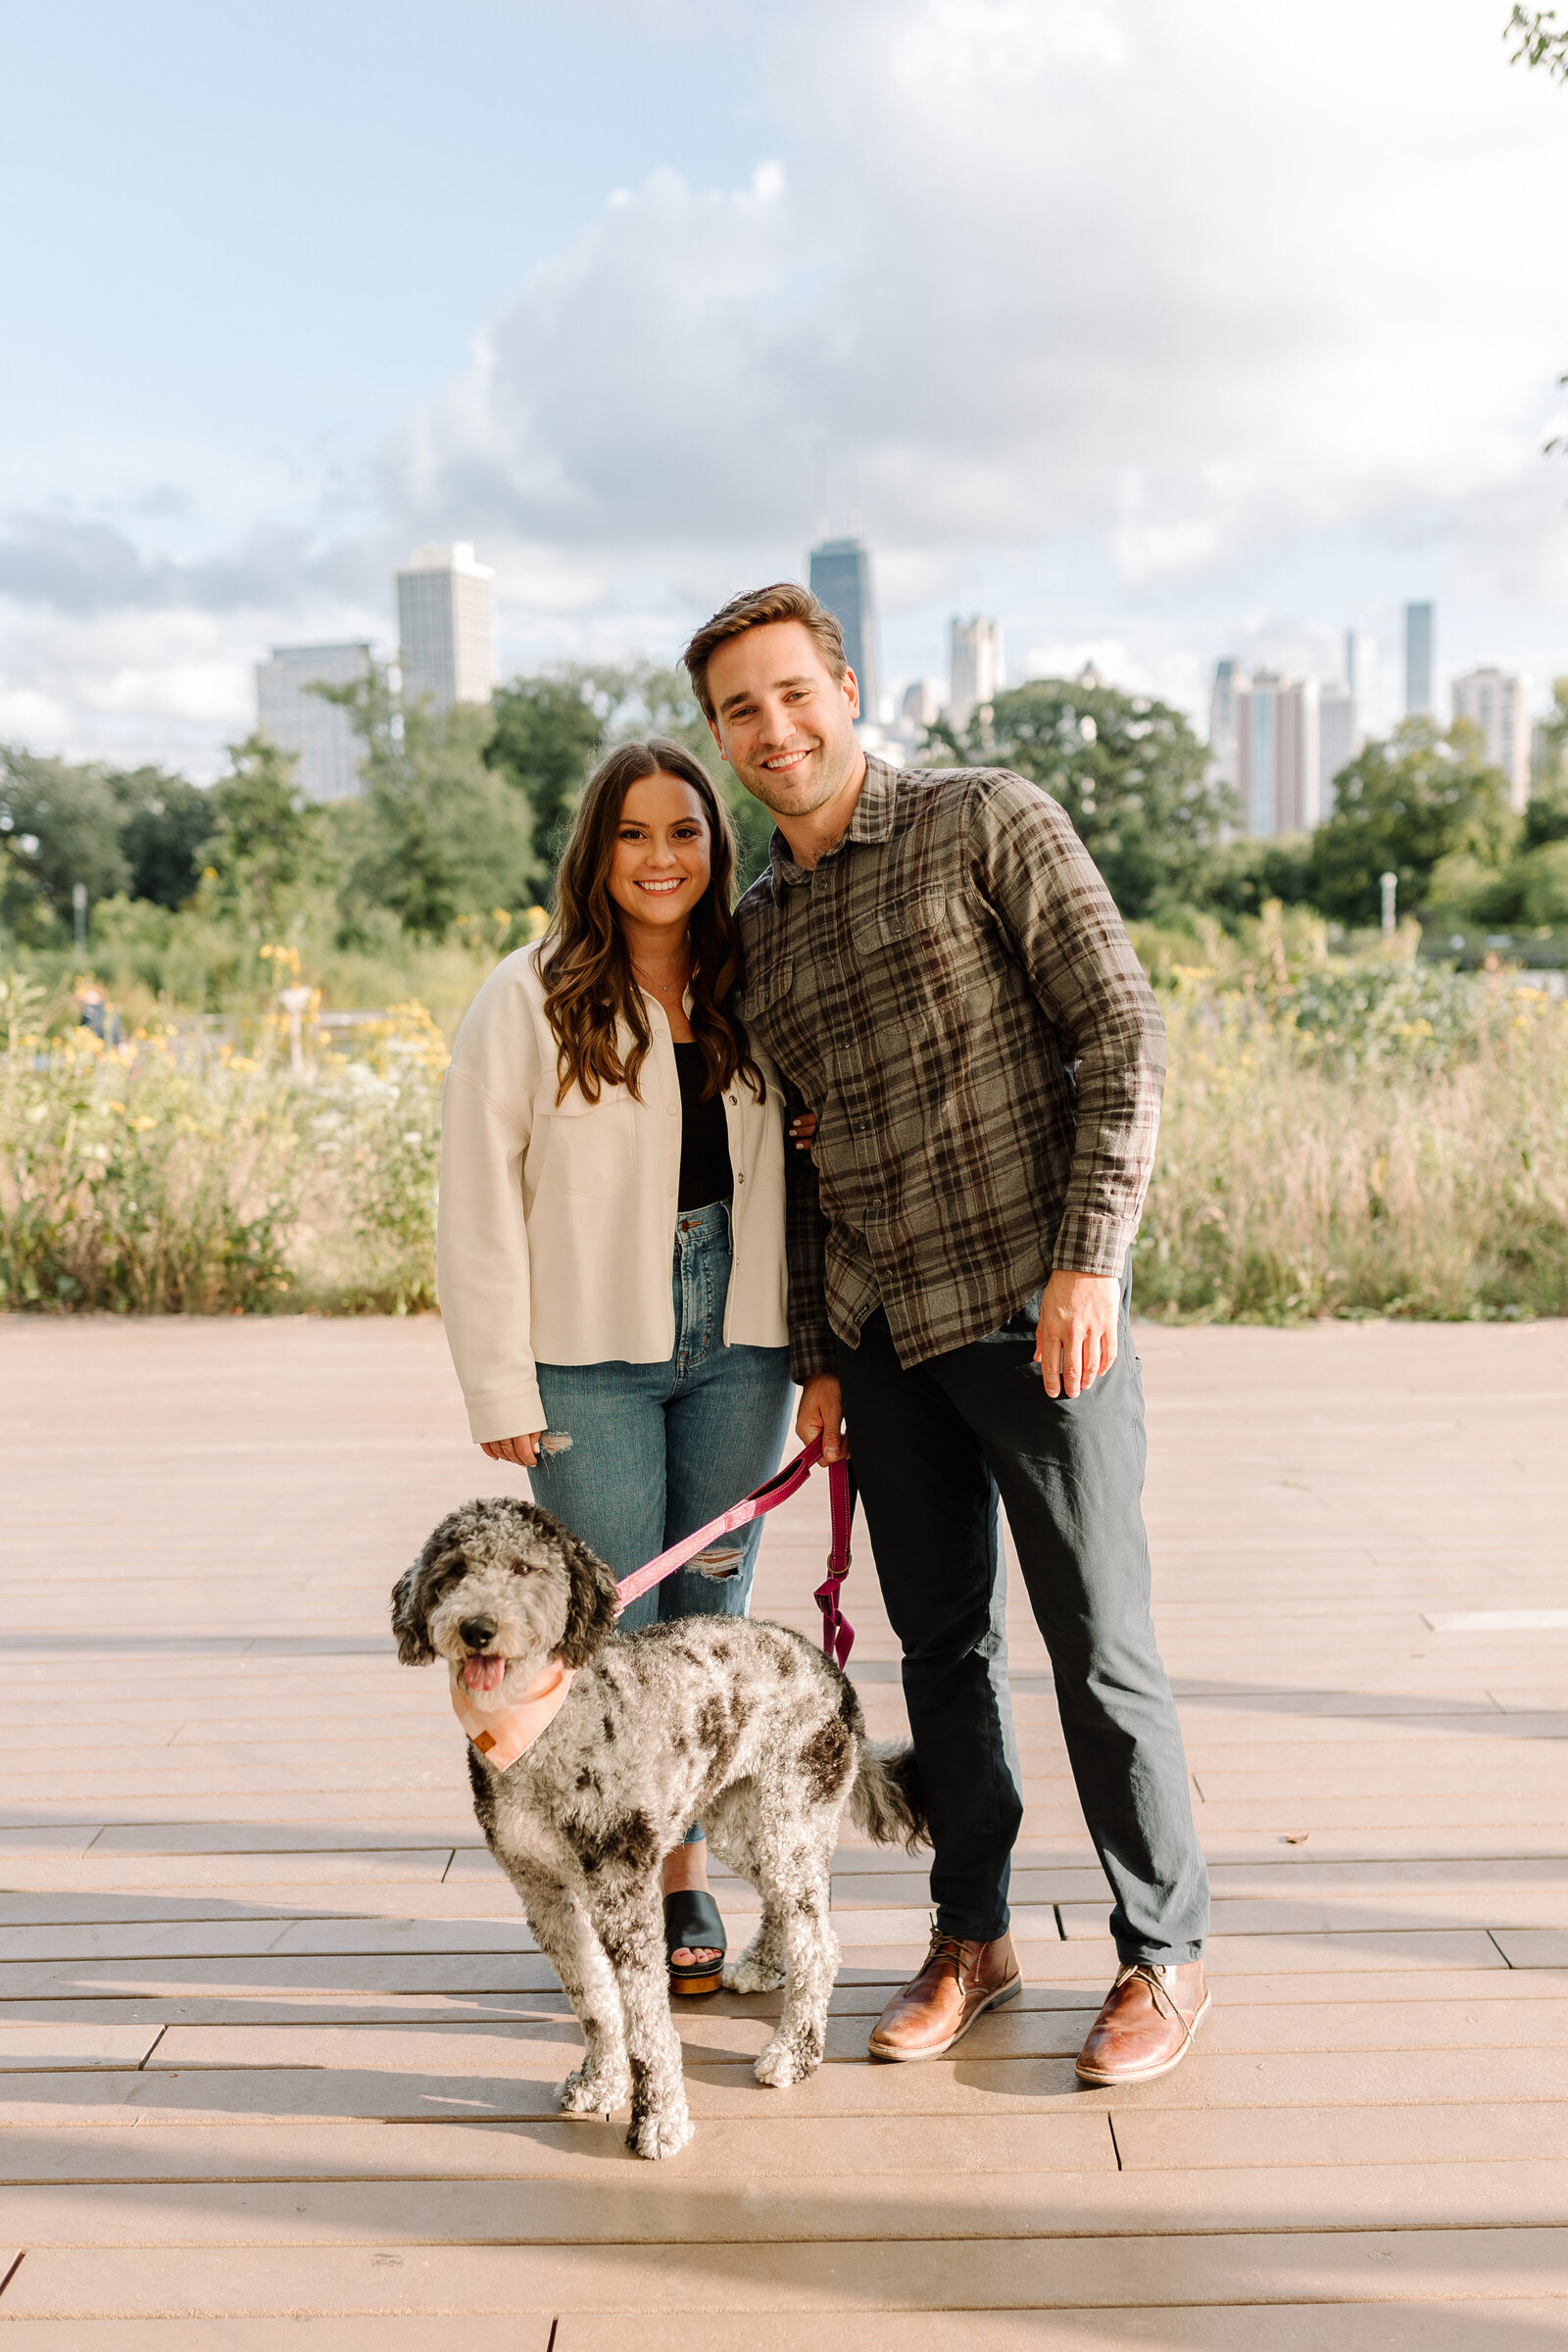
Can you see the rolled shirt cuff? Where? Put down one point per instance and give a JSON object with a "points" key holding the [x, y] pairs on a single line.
{"points": [[811, 1354], [514, 1413]]}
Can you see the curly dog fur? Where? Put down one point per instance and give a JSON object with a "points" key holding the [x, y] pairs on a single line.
{"points": [[739, 1723]]}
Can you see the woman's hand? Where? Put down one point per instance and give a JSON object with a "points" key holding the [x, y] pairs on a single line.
{"points": [[524, 1452], [802, 1131], [822, 1409]]}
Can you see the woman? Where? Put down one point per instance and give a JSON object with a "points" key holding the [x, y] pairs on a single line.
{"points": [[612, 1224]]}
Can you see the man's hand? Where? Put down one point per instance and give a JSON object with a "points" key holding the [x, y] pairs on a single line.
{"points": [[1077, 1336], [524, 1452], [822, 1408]]}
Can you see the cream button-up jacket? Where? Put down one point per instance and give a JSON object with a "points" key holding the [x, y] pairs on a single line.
{"points": [[557, 1225]]}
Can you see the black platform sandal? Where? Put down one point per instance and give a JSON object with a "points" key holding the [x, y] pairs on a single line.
{"points": [[691, 1924]]}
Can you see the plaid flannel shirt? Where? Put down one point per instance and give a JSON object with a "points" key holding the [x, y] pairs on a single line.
{"points": [[953, 992]]}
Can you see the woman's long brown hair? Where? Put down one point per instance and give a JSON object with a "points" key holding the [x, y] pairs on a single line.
{"points": [[585, 965]]}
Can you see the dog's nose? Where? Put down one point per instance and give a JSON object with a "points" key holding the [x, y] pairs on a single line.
{"points": [[478, 1631]]}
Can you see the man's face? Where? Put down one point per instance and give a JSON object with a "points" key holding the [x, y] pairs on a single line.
{"points": [[783, 722]]}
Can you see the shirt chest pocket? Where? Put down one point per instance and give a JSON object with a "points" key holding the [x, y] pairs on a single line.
{"points": [[911, 918], [591, 1148]]}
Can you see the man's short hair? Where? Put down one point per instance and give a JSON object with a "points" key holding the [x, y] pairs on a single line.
{"points": [[786, 600]]}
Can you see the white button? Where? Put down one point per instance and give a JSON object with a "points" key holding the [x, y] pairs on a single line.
{"points": [[672, 1112], [740, 1179], [732, 1102]]}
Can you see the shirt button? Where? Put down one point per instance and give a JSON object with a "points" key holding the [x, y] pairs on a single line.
{"points": [[672, 1112], [740, 1179], [670, 1190]]}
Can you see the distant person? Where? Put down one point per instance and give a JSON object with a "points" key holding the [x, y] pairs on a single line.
{"points": [[937, 969], [612, 1222]]}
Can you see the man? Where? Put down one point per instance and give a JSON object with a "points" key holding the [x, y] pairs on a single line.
{"points": [[939, 971]]}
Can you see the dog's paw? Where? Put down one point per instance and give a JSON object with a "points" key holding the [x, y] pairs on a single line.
{"points": [[745, 1975], [591, 2091], [781, 2064], [660, 2135]]}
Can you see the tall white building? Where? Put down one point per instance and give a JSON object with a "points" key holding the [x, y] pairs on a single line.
{"points": [[1277, 753], [977, 669], [1496, 701], [446, 626], [306, 723], [1339, 739], [1420, 635]]}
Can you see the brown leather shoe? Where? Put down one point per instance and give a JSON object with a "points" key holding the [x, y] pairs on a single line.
{"points": [[1146, 2025], [958, 1983]]}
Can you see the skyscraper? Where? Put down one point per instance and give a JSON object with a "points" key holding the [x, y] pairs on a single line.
{"points": [[840, 579], [1339, 739], [1222, 718], [446, 626], [1277, 753], [1420, 621], [306, 723], [976, 668], [1495, 702]]}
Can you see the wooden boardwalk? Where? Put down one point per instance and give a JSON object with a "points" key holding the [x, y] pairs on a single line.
{"points": [[279, 2051]]}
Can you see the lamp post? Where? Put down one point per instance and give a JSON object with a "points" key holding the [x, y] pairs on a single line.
{"points": [[1388, 884], [79, 909]]}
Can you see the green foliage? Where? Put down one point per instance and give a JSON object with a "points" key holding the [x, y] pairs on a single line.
{"points": [[58, 825], [438, 833], [1543, 41], [165, 827], [1240, 878], [1129, 771], [1404, 806], [546, 739], [267, 844]]}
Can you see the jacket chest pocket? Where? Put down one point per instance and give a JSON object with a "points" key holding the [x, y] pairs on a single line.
{"points": [[591, 1148]]}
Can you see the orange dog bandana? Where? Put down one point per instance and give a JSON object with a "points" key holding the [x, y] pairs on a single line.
{"points": [[501, 1739]]}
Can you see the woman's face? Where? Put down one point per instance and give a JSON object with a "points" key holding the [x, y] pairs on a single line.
{"points": [[663, 856]]}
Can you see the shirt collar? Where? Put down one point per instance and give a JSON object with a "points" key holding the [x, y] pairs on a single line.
{"points": [[872, 821]]}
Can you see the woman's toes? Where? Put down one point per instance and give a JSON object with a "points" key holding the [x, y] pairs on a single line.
{"points": [[703, 1957]]}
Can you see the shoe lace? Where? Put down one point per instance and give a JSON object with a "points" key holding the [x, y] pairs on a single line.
{"points": [[1152, 1973]]}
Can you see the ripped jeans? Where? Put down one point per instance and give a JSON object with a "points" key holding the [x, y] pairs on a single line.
{"points": [[658, 1448]]}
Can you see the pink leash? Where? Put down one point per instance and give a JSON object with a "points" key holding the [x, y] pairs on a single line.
{"points": [[837, 1635]]}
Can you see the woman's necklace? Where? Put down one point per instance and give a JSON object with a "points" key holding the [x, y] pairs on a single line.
{"points": [[661, 988]]}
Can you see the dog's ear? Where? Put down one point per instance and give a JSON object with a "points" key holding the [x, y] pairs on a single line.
{"points": [[407, 1616], [591, 1603]]}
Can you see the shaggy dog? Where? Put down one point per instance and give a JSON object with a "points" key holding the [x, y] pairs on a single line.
{"points": [[743, 1726]]}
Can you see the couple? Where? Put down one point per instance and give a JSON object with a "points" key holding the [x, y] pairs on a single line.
{"points": [[932, 974]]}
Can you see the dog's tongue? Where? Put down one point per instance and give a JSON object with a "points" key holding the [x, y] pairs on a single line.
{"points": [[483, 1674]]}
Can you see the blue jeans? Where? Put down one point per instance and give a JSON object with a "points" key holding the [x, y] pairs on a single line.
{"points": [[658, 1448]]}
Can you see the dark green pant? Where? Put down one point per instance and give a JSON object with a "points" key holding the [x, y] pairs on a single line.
{"points": [[932, 1448]]}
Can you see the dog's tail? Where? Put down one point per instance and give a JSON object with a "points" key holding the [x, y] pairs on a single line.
{"points": [[886, 1800]]}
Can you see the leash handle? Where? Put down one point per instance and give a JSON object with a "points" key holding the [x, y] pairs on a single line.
{"points": [[837, 1633]]}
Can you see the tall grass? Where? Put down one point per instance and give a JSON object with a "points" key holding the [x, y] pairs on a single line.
{"points": [[1348, 1136], [162, 1177], [1390, 1143]]}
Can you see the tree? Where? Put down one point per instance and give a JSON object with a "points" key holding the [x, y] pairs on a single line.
{"points": [[1129, 771], [546, 737], [439, 834], [60, 825], [1401, 807], [165, 826], [267, 844]]}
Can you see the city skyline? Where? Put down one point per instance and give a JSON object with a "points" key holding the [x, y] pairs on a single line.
{"points": [[1151, 413]]}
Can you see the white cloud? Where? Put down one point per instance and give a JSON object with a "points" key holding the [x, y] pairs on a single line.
{"points": [[1157, 317]]}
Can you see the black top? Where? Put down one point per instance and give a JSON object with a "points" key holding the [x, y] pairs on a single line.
{"points": [[705, 1171]]}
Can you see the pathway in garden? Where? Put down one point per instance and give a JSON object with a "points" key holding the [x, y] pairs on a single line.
{"points": [[279, 2051]]}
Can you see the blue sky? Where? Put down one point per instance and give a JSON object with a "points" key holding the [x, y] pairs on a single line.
{"points": [[1163, 328]]}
